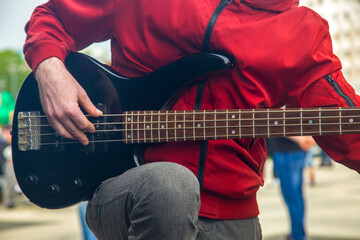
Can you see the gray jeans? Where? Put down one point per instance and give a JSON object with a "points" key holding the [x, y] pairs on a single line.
{"points": [[158, 201]]}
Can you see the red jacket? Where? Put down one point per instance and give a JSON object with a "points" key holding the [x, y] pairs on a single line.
{"points": [[282, 53]]}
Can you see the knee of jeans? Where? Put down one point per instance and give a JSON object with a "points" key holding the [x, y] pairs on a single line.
{"points": [[172, 184], [174, 178]]}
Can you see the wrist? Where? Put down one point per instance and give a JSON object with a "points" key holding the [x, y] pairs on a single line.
{"points": [[47, 67]]}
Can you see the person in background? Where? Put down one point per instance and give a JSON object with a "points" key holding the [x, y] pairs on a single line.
{"points": [[309, 166], [9, 175], [326, 160], [289, 156], [3, 145]]}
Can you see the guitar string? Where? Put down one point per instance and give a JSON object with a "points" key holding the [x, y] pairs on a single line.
{"points": [[156, 140], [221, 111], [190, 128], [207, 112], [158, 121]]}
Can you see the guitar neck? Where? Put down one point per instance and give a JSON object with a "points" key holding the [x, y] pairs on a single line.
{"points": [[168, 126]]}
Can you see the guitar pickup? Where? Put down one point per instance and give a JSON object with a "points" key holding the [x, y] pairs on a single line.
{"points": [[96, 142]]}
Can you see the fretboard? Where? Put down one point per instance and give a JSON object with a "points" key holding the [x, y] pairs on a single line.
{"points": [[169, 126]]}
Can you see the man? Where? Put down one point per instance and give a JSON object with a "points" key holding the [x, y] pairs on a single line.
{"points": [[283, 56]]}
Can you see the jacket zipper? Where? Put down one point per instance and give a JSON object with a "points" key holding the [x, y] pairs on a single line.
{"points": [[210, 27], [339, 91], [201, 86]]}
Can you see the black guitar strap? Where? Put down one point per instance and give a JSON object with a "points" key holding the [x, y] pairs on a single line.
{"points": [[201, 86]]}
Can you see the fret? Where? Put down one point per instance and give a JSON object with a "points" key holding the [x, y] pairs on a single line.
{"points": [[246, 123], [159, 126], [215, 122], [162, 129], [221, 125], [310, 122], [261, 123], [184, 119], [320, 122], [167, 126], [141, 127], [144, 126], [351, 120], [132, 122], [268, 122], [130, 135], [126, 127], [275, 123], [293, 122], [175, 123], [138, 126], [330, 121], [301, 122], [130, 128], [204, 124], [239, 114], [233, 124], [147, 128], [171, 126], [194, 124], [198, 122], [284, 122], [253, 122], [156, 126], [179, 126], [227, 123], [151, 127], [340, 120]]}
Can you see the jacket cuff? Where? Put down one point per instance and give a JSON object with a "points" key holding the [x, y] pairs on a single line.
{"points": [[36, 54]]}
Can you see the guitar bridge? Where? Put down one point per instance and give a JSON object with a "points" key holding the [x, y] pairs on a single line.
{"points": [[29, 131]]}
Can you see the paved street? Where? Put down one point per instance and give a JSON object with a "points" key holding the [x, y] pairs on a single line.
{"points": [[333, 212], [333, 206]]}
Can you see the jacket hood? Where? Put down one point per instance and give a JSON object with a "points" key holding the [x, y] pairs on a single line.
{"points": [[272, 5]]}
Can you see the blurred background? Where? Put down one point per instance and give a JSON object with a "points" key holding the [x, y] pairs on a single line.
{"points": [[332, 192]]}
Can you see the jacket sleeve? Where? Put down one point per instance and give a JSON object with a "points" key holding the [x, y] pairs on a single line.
{"points": [[313, 89], [61, 26]]}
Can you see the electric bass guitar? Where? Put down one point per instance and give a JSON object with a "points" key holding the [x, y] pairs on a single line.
{"points": [[54, 172]]}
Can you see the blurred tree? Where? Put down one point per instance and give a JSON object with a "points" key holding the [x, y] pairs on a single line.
{"points": [[13, 71]]}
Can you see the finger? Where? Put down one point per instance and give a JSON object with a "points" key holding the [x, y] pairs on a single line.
{"points": [[80, 120], [76, 132], [88, 106], [59, 128]]}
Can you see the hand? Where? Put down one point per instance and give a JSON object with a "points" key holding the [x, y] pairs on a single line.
{"points": [[60, 96], [304, 142]]}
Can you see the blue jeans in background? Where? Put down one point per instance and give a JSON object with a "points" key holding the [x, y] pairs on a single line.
{"points": [[289, 168], [87, 233]]}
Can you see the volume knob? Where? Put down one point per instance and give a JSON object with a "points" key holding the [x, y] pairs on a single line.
{"points": [[31, 180], [76, 183], [53, 189]]}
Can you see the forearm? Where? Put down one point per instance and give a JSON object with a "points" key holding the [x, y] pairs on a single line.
{"points": [[56, 29]]}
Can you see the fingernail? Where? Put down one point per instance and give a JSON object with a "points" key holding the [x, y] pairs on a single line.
{"points": [[91, 129], [99, 112], [85, 142]]}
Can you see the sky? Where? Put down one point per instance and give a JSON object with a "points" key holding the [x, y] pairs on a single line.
{"points": [[13, 16]]}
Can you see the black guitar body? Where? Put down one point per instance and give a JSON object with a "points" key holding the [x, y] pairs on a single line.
{"points": [[60, 175]]}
